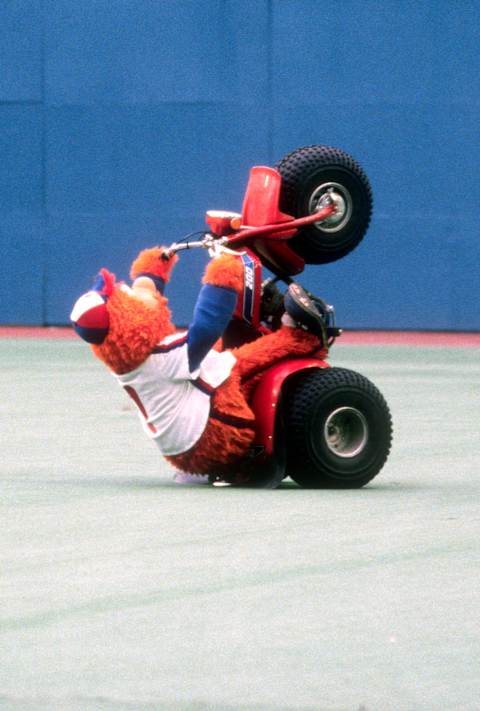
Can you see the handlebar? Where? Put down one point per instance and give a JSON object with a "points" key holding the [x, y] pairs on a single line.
{"points": [[277, 231], [179, 246], [215, 245]]}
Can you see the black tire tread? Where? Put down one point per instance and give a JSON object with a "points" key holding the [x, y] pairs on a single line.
{"points": [[296, 168], [292, 168], [307, 390]]}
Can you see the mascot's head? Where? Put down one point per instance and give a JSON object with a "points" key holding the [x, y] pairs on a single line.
{"points": [[122, 323]]}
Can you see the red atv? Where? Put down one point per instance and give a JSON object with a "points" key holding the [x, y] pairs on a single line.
{"points": [[320, 425]]}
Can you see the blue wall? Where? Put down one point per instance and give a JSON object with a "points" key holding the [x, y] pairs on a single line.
{"points": [[122, 121]]}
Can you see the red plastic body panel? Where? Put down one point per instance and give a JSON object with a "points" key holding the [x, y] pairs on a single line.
{"points": [[260, 208], [266, 397], [262, 198], [278, 256]]}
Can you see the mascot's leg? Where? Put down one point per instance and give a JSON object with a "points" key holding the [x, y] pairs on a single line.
{"points": [[303, 332], [253, 358]]}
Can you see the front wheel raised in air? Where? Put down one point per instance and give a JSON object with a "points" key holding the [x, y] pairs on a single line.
{"points": [[309, 175], [338, 429]]}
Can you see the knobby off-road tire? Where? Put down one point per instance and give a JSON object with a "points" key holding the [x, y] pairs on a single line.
{"points": [[338, 429], [308, 174]]}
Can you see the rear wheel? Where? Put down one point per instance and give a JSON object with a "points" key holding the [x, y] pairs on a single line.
{"points": [[338, 429], [309, 175]]}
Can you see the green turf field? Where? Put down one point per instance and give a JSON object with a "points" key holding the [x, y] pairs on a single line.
{"points": [[122, 591]]}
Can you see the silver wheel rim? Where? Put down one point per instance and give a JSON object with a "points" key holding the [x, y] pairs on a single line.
{"points": [[346, 432], [342, 200]]}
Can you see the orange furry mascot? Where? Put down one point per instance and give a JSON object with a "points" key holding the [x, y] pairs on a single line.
{"points": [[192, 398]]}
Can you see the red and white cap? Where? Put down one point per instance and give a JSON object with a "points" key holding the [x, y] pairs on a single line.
{"points": [[90, 317]]}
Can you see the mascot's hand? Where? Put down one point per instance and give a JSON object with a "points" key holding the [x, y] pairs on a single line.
{"points": [[225, 271], [154, 262]]}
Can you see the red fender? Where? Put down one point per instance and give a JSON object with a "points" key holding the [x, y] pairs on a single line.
{"points": [[262, 198], [267, 393], [260, 209]]}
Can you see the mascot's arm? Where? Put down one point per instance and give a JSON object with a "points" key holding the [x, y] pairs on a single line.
{"points": [[152, 263], [222, 282]]}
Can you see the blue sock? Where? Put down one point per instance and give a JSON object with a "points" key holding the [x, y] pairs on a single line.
{"points": [[212, 313]]}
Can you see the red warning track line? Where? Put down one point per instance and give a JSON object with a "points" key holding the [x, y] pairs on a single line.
{"points": [[438, 339], [37, 332]]}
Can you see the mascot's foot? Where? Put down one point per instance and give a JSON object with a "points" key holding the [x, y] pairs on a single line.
{"points": [[220, 481], [196, 479], [303, 310]]}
